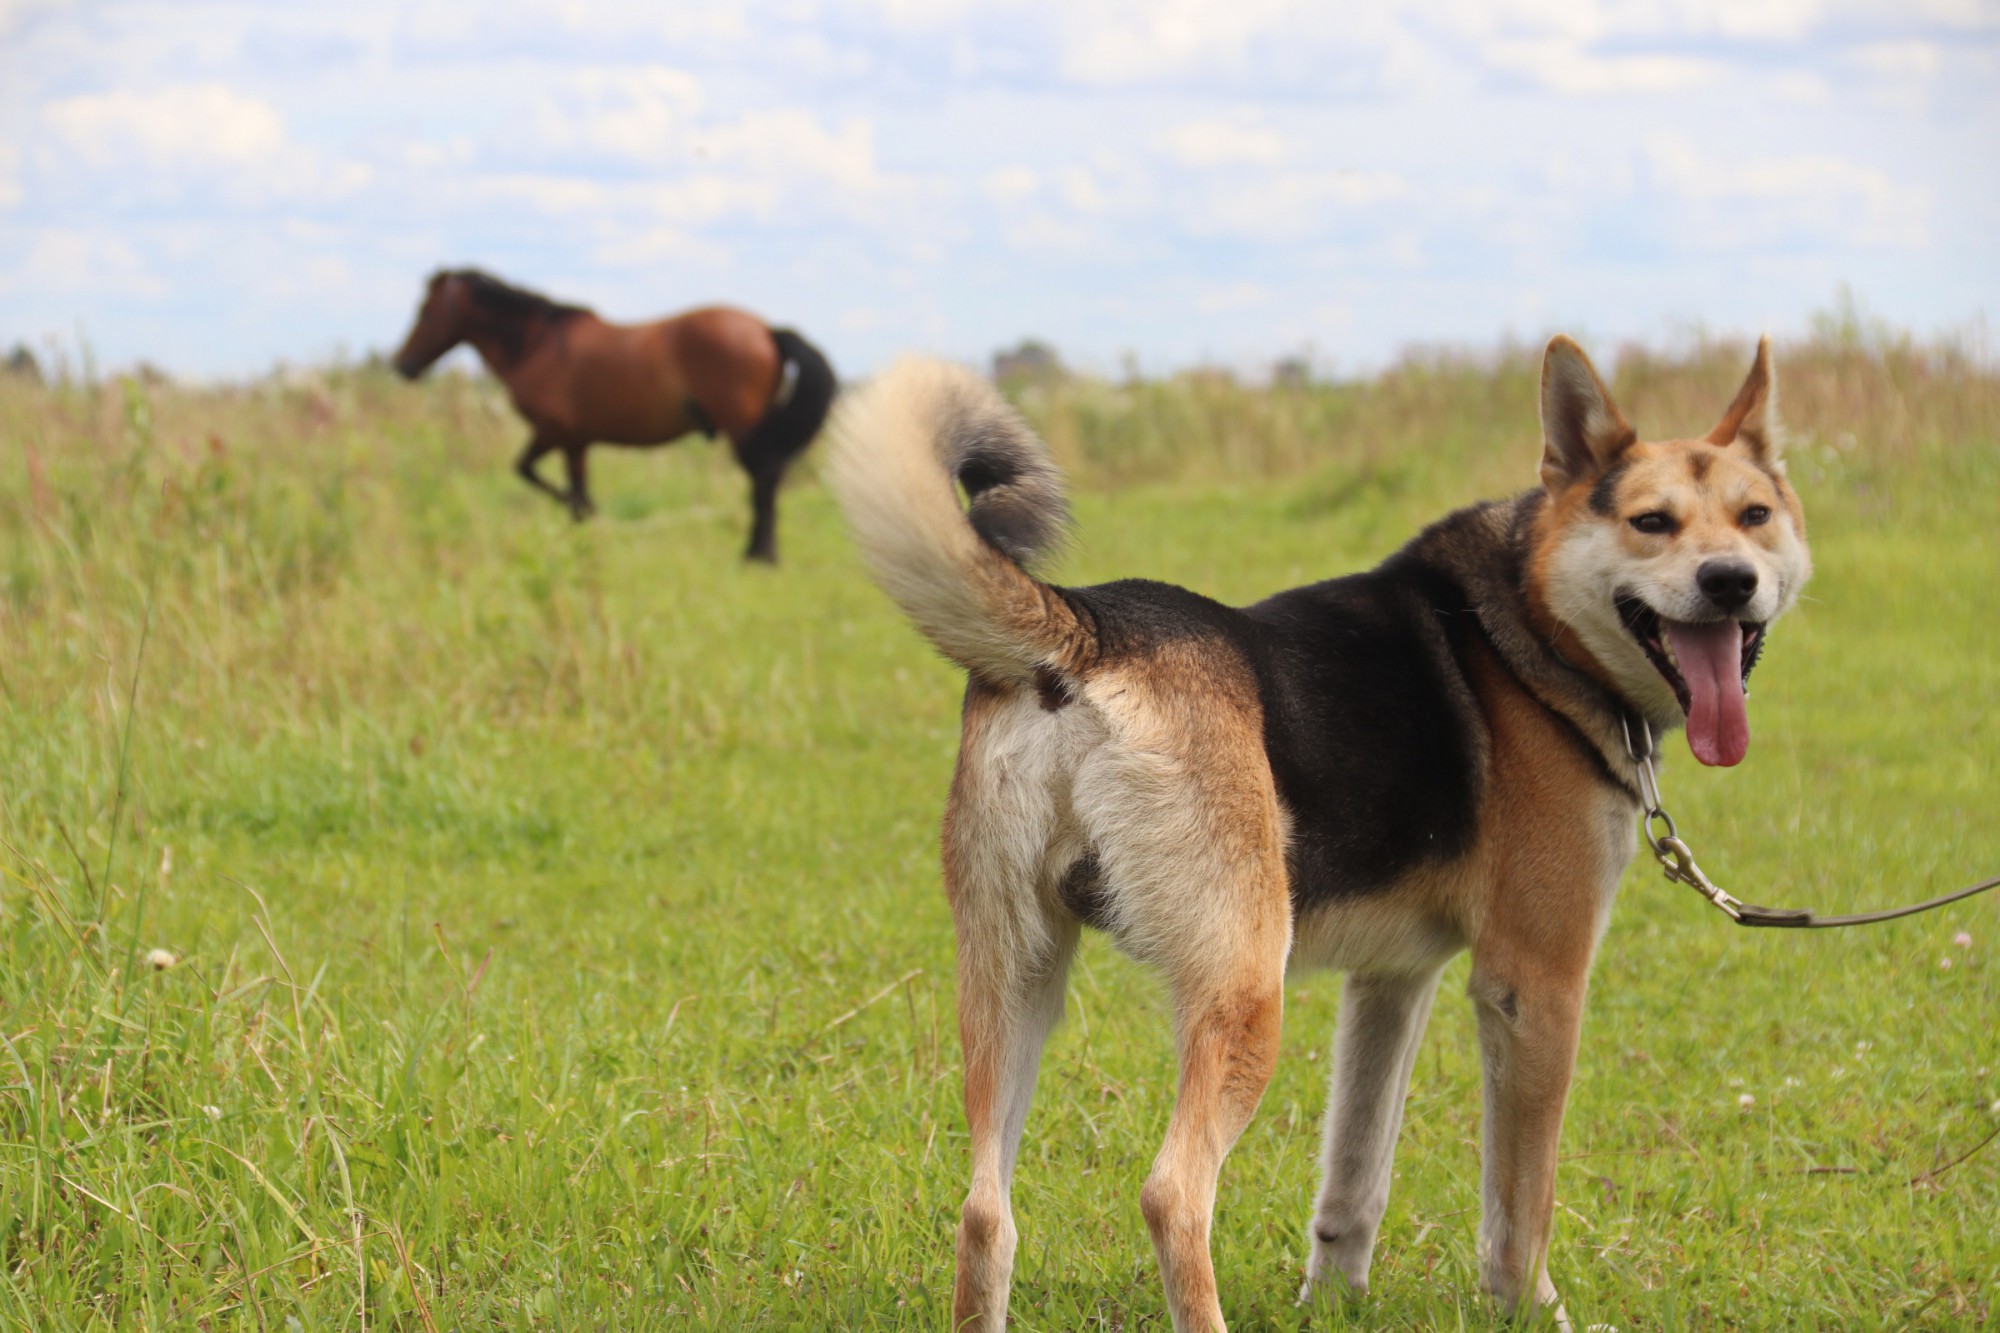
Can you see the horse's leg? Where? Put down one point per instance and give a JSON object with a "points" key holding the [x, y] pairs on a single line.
{"points": [[759, 456], [764, 512], [580, 506], [525, 464]]}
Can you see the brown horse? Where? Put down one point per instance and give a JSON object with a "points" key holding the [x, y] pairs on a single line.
{"points": [[580, 380]]}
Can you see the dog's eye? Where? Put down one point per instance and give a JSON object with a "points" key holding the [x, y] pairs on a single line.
{"points": [[1654, 522], [1756, 516]]}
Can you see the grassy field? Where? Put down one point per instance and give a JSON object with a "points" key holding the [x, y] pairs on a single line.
{"points": [[557, 915]]}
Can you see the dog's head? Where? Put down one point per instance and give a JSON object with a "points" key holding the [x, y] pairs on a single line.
{"points": [[1665, 562]]}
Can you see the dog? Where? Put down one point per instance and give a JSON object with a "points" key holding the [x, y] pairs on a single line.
{"points": [[1369, 774]]}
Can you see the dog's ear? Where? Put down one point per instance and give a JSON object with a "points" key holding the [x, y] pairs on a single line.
{"points": [[1582, 429], [1752, 420]]}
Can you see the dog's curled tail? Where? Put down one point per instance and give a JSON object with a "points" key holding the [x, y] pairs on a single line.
{"points": [[901, 446]]}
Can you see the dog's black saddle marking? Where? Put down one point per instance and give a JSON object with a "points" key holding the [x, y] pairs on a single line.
{"points": [[1369, 726]]}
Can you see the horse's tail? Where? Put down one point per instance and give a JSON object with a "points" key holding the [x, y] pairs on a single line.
{"points": [[806, 386], [899, 447]]}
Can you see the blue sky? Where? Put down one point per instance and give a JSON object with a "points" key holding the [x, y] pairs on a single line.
{"points": [[216, 186]]}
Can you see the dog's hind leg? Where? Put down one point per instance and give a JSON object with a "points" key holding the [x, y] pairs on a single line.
{"points": [[1005, 1014], [1190, 840], [1382, 1017], [1014, 950], [1228, 1021]]}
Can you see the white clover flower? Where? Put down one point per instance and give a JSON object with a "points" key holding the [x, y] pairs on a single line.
{"points": [[1746, 1101], [161, 959], [212, 1112], [1963, 939]]}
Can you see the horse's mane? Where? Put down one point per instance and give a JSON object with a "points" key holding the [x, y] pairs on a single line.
{"points": [[504, 298], [512, 305]]}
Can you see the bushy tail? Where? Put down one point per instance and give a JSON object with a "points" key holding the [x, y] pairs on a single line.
{"points": [[898, 447]]}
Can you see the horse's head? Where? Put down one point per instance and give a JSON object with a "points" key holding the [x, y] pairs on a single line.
{"points": [[441, 325]]}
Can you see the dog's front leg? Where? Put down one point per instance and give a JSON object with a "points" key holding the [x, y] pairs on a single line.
{"points": [[1382, 1018], [1530, 1015]]}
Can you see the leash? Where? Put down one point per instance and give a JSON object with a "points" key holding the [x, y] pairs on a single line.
{"points": [[1677, 860]]}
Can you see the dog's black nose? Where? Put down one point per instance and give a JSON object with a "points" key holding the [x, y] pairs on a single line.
{"points": [[1727, 583]]}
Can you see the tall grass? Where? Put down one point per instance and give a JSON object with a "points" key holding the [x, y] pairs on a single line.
{"points": [[1471, 413], [554, 915]]}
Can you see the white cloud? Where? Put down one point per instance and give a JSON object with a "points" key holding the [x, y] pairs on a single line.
{"points": [[1223, 143], [1130, 41], [655, 116], [206, 140], [546, 193], [790, 141], [1594, 21], [10, 176], [716, 198], [13, 13], [1912, 61], [657, 245], [314, 277], [1767, 20], [1768, 198], [65, 260], [198, 125], [920, 15], [862, 319], [1292, 205], [1802, 87], [432, 157], [1566, 67], [1106, 187], [1045, 233], [1011, 186], [699, 167], [469, 25], [1231, 297], [642, 115]]}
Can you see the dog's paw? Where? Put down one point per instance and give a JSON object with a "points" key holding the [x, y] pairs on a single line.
{"points": [[1340, 1259], [1335, 1285]]}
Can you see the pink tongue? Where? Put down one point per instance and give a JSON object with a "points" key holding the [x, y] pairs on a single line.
{"points": [[1710, 658]]}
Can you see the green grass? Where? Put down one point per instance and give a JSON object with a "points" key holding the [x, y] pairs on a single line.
{"points": [[557, 910]]}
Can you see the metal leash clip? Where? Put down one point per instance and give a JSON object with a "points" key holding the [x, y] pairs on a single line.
{"points": [[1679, 865], [1675, 857]]}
